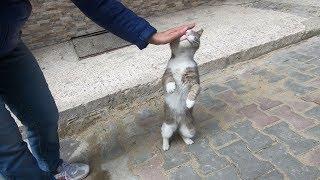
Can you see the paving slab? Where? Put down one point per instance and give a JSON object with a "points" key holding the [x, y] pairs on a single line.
{"points": [[249, 166], [297, 144], [288, 164]]}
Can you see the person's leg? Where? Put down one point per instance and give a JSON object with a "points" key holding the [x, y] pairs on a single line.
{"points": [[26, 93], [16, 161]]}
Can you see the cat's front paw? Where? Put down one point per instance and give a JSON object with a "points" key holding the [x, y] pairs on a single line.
{"points": [[189, 103], [170, 87], [165, 144], [188, 141], [165, 147]]}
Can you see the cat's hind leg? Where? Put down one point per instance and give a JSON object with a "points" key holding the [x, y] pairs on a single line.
{"points": [[187, 132], [167, 131]]}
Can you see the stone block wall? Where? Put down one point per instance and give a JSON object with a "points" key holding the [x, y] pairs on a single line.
{"points": [[55, 21]]}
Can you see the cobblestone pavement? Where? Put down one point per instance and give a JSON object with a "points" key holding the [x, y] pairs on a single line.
{"points": [[256, 120]]}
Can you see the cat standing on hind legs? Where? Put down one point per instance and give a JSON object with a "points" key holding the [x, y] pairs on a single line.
{"points": [[182, 86]]}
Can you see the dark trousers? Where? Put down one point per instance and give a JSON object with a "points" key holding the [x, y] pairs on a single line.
{"points": [[24, 90]]}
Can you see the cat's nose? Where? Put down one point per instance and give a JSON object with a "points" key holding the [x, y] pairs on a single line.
{"points": [[191, 38]]}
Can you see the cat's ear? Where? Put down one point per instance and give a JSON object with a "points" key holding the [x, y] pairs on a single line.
{"points": [[200, 32]]}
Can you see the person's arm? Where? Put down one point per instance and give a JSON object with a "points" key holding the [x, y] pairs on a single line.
{"points": [[121, 21]]}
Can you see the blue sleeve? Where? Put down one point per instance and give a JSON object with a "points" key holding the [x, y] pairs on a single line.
{"points": [[116, 18]]}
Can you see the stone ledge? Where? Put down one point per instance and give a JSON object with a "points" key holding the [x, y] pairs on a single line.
{"points": [[129, 95], [114, 78]]}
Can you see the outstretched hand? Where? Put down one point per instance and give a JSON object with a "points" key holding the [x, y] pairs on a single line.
{"points": [[170, 35]]}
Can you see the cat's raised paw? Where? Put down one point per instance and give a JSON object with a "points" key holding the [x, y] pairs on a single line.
{"points": [[170, 87], [189, 103]]}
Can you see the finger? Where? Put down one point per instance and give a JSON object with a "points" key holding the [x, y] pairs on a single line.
{"points": [[183, 30], [177, 34], [188, 26]]}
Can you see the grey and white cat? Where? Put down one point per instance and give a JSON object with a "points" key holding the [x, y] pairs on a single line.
{"points": [[182, 86]]}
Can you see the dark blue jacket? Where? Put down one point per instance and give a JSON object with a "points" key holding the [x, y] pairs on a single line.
{"points": [[109, 14]]}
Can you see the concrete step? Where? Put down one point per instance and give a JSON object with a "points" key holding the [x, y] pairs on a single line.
{"points": [[233, 32]]}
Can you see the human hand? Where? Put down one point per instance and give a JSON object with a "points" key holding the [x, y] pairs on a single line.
{"points": [[170, 35]]}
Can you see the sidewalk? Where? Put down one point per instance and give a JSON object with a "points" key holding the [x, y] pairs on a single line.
{"points": [[258, 119], [234, 31]]}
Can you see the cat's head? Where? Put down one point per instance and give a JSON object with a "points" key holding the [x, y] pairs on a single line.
{"points": [[189, 42]]}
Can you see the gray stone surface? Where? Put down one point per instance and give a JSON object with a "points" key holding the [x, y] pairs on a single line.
{"points": [[215, 88], [314, 61], [112, 149], [296, 142], [201, 116], [294, 169], [212, 127], [314, 131], [299, 76], [315, 71], [228, 173], [184, 173], [220, 138], [250, 167], [174, 157], [314, 113], [300, 65], [132, 129], [298, 88], [266, 104], [208, 160], [237, 86], [314, 51], [142, 155], [211, 103], [299, 57], [67, 148], [271, 77], [116, 169], [273, 175], [254, 139], [146, 118]]}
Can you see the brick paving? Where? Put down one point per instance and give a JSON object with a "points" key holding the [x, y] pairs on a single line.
{"points": [[256, 120]]}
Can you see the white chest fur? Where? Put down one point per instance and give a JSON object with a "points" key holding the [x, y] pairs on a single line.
{"points": [[177, 99], [178, 67]]}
